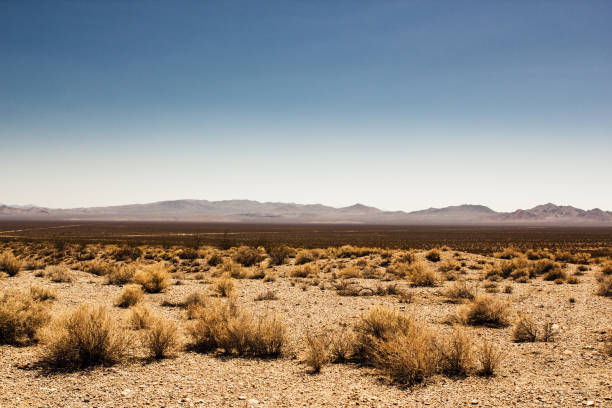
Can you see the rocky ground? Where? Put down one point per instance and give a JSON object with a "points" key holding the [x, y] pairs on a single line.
{"points": [[572, 370]]}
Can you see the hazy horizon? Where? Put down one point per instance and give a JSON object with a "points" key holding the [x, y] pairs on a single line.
{"points": [[400, 105]]}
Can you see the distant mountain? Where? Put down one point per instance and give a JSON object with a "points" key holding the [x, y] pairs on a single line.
{"points": [[270, 212]]}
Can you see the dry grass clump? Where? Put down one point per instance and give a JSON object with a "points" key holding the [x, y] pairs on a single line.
{"points": [[304, 271], [247, 256], [188, 254], [456, 357], [490, 357], [161, 337], [449, 265], [41, 294], [231, 268], [120, 274], [58, 273], [86, 337], [224, 286], [9, 264], [225, 327], [433, 255], [349, 272], [525, 330], [21, 315], [97, 268], [130, 296], [605, 286], [606, 268], [459, 292], [517, 268], [304, 256], [214, 259], [141, 317], [485, 310], [267, 295], [508, 253], [572, 257], [153, 279], [280, 254], [419, 274], [534, 255], [316, 351]]}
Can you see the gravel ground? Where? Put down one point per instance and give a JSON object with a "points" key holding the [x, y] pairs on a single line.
{"points": [[570, 371]]}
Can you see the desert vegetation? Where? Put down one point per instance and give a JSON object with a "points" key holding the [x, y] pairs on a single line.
{"points": [[412, 318]]}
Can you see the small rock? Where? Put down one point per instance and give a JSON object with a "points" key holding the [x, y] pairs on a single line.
{"points": [[241, 397], [253, 401]]}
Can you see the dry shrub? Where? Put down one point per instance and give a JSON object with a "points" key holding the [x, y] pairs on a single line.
{"points": [[304, 256], [280, 254], [456, 355], [433, 255], [41, 294], [161, 338], [267, 295], [97, 268], [9, 264], [247, 256], [120, 274], [270, 277], [86, 337], [606, 268], [188, 254], [215, 259], [20, 317], [489, 356], [304, 271], [605, 286], [534, 255], [232, 330], [485, 310], [341, 345], [349, 272], [58, 273], [508, 253], [449, 265], [420, 275], [555, 275], [317, 351], [130, 296], [233, 269], [409, 357], [459, 291], [141, 317], [349, 251], [153, 279], [525, 330], [224, 286]]}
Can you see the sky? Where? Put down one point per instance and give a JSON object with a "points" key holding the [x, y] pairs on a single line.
{"points": [[402, 105]]}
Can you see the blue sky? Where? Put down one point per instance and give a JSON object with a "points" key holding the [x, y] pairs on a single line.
{"points": [[396, 104]]}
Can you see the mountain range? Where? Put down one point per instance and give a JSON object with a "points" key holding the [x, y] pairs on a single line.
{"points": [[267, 212]]}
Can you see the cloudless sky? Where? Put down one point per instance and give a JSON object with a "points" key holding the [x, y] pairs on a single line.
{"points": [[395, 104]]}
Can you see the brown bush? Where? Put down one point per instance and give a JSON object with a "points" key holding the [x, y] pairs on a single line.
{"points": [[225, 327], [456, 353], [153, 279], [98, 268], [349, 272], [420, 275], [58, 273], [341, 345], [41, 294], [247, 256], [606, 268], [304, 256], [459, 291], [161, 338], [605, 286], [485, 310], [224, 286], [141, 317], [9, 264], [130, 296], [120, 274], [489, 356], [85, 337], [280, 254], [316, 351], [267, 295], [525, 330], [433, 255], [304, 271], [20, 317]]}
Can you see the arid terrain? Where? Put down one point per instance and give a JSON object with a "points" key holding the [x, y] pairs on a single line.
{"points": [[463, 317]]}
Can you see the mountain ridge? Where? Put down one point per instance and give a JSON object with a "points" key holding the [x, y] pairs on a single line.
{"points": [[255, 211]]}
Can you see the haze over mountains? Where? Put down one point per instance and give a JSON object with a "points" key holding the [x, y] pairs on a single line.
{"points": [[266, 212]]}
